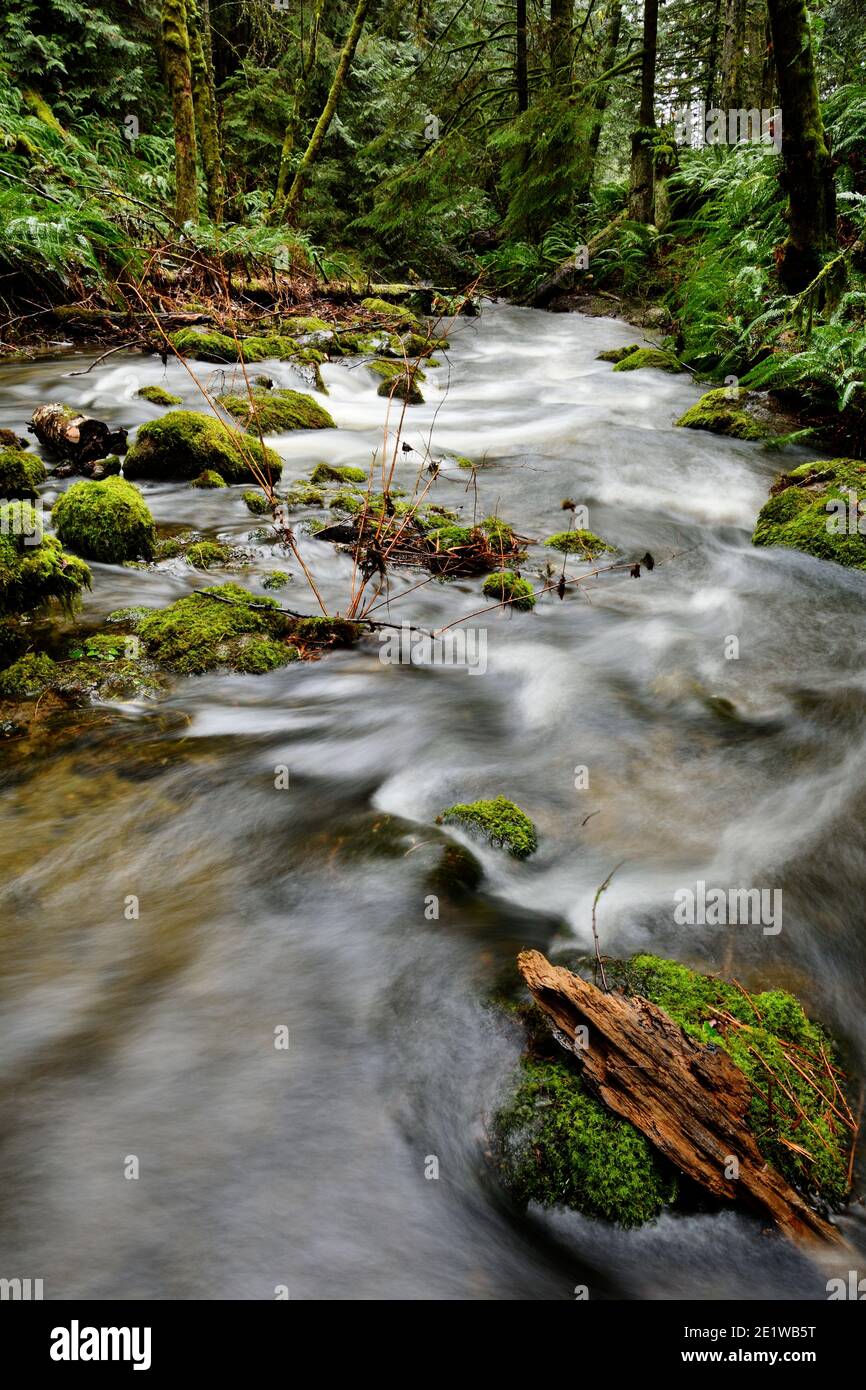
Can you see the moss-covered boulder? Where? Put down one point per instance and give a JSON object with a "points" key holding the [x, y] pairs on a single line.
{"points": [[34, 575], [222, 347], [256, 502], [274, 412], [26, 677], [814, 509], [20, 474], [722, 412], [208, 479], [585, 544], [617, 354], [222, 626], [397, 313], [184, 444], [277, 579], [555, 1143], [304, 495], [658, 358], [508, 587], [502, 823], [157, 395], [337, 473], [108, 521]]}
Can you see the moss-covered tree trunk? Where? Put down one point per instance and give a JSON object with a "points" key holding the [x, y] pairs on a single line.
{"points": [[712, 65], [311, 153], [733, 55], [521, 77], [640, 193], [602, 91], [204, 104], [560, 41], [807, 175], [178, 72], [308, 61]]}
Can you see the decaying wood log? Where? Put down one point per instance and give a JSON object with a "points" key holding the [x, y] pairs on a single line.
{"points": [[78, 438], [563, 277], [689, 1100]]}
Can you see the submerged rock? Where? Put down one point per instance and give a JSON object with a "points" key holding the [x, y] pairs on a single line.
{"points": [[274, 412], [811, 509], [183, 444], [500, 821], [108, 521], [617, 354], [722, 412]]}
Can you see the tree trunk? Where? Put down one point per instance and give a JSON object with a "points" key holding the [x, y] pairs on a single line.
{"points": [[521, 76], [807, 176], [204, 103], [560, 41], [713, 57], [77, 438], [311, 153], [307, 64], [689, 1100], [733, 41], [176, 57], [640, 193], [602, 92]]}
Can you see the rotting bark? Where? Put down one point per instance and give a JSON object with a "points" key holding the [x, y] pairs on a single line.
{"points": [[178, 72], [311, 153], [689, 1100], [78, 438]]}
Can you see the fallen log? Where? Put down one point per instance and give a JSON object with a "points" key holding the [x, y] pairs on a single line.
{"points": [[564, 276], [688, 1099], [77, 438]]}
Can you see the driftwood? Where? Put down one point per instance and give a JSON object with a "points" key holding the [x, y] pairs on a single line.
{"points": [[78, 438], [689, 1100]]}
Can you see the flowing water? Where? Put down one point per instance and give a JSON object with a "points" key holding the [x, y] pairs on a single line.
{"points": [[305, 907]]}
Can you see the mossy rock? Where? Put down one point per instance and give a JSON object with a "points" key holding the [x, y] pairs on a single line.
{"points": [[277, 579], [304, 495], [108, 521], [370, 344], [810, 510], [457, 873], [584, 543], [301, 326], [157, 395], [508, 587], [27, 677], [256, 502], [275, 412], [205, 555], [416, 345], [208, 479], [201, 632], [221, 347], [617, 354], [108, 467], [338, 473], [184, 444], [20, 474], [657, 358], [499, 820], [396, 312], [721, 412], [34, 575], [402, 387], [556, 1145]]}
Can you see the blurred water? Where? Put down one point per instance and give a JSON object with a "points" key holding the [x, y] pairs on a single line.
{"points": [[305, 907]]}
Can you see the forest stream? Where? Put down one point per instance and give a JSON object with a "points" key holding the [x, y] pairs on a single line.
{"points": [[265, 906]]}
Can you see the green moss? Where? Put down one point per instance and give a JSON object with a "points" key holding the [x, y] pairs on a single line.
{"points": [[257, 503], [584, 543], [347, 501], [20, 474], [99, 646], [304, 495], [506, 586], [370, 344], [129, 617], [617, 354], [277, 579], [108, 467], [157, 395], [721, 412], [463, 462], [221, 347], [273, 412], [33, 575], [200, 632], [208, 479], [204, 555], [499, 533], [771, 1019], [556, 1144], [107, 521], [27, 677], [402, 387], [184, 444], [503, 824], [810, 510], [300, 326], [648, 357], [416, 345], [395, 312], [332, 473], [328, 632]]}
